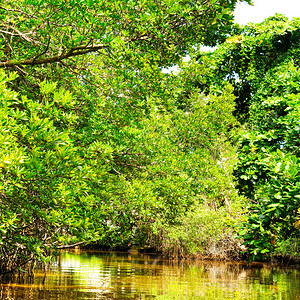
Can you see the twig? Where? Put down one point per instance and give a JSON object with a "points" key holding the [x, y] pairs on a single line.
{"points": [[70, 246], [47, 47]]}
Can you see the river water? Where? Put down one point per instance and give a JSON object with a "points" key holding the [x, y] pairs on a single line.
{"points": [[98, 275]]}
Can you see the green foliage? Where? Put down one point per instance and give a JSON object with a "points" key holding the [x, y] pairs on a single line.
{"points": [[262, 62], [288, 248], [180, 162], [275, 212], [38, 32], [204, 232], [191, 176], [95, 147], [36, 150]]}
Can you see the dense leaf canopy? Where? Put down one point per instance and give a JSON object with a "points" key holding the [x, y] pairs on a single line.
{"points": [[94, 146], [99, 146], [262, 63]]}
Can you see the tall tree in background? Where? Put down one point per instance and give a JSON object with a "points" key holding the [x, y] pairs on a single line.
{"points": [[262, 63]]}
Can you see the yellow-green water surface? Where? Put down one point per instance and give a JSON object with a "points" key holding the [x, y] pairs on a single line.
{"points": [[137, 276]]}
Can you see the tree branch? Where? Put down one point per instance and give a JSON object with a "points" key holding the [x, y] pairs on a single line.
{"points": [[76, 51], [44, 52], [70, 246]]}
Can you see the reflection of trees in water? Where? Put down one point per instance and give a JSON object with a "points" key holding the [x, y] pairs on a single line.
{"points": [[45, 293], [118, 276]]}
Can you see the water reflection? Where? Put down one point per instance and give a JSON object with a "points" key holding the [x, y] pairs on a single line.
{"points": [[137, 276]]}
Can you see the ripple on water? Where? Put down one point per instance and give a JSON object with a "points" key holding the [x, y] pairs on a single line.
{"points": [[136, 276]]}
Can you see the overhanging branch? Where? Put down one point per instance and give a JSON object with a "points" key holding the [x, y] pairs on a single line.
{"points": [[76, 51]]}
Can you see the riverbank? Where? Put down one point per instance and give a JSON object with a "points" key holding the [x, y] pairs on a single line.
{"points": [[238, 257]]}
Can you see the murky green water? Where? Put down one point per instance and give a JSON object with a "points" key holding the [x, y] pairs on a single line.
{"points": [[137, 276]]}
